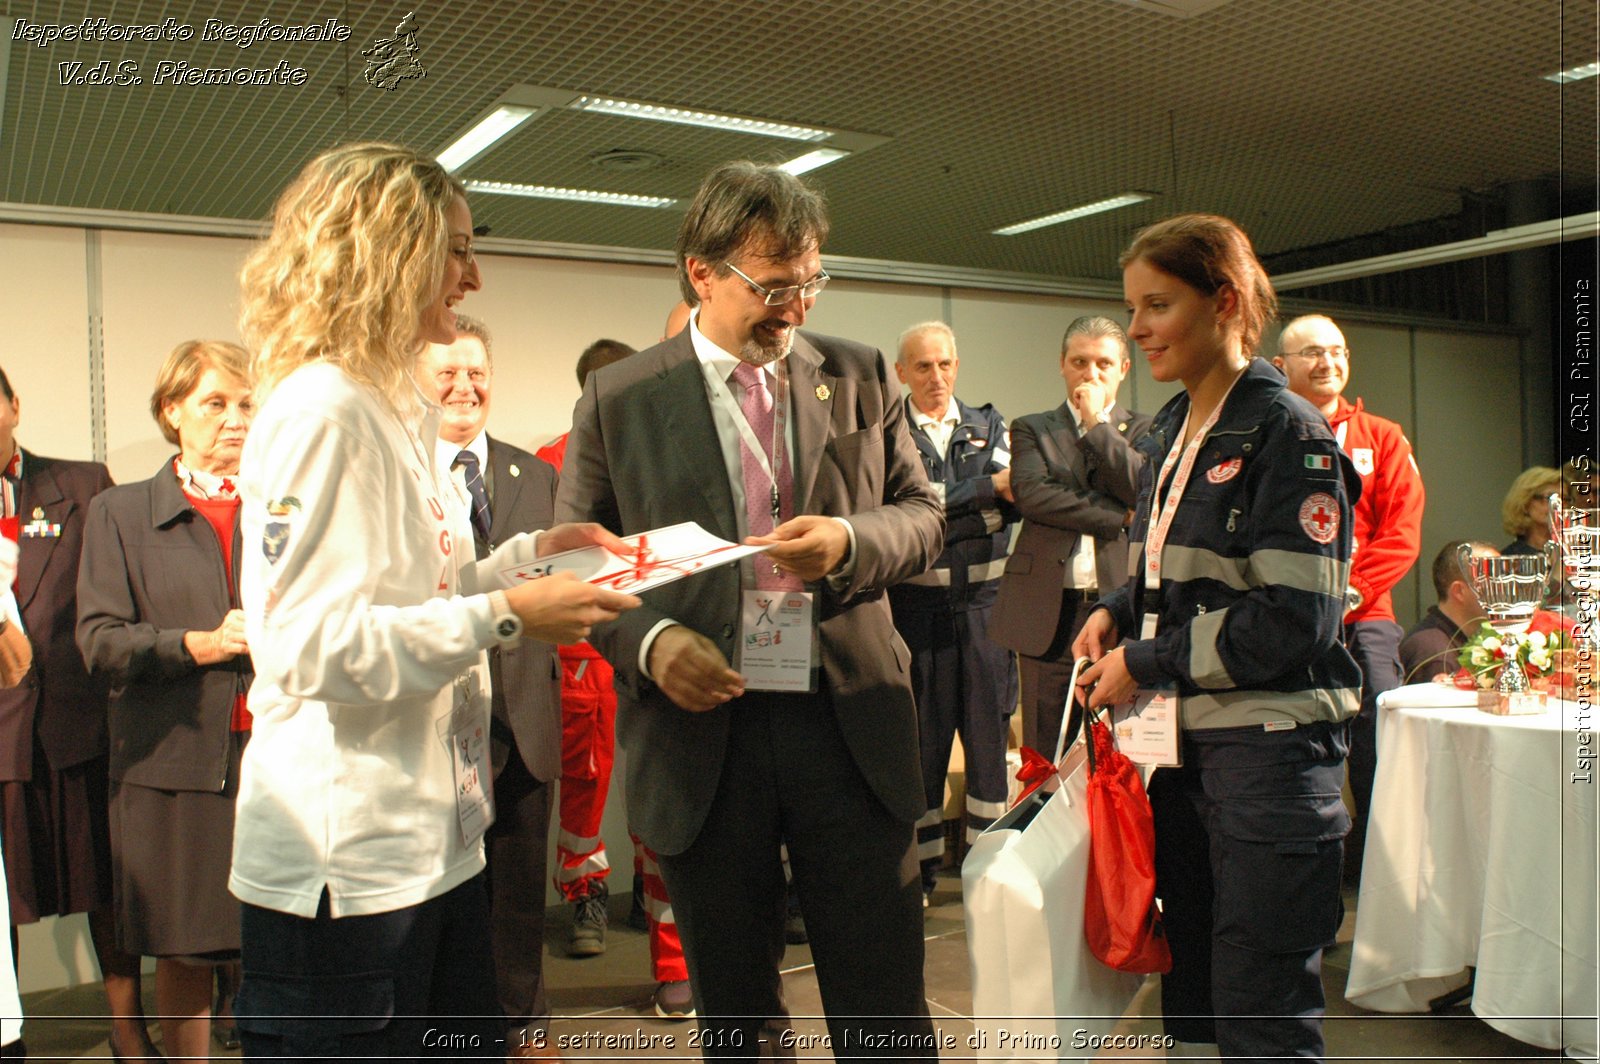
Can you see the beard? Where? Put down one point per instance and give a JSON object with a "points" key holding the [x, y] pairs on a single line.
{"points": [[761, 349]]}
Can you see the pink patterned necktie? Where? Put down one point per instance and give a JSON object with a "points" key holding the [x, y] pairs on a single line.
{"points": [[756, 402]]}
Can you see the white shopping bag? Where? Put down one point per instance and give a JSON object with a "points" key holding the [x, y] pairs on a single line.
{"points": [[1037, 991]]}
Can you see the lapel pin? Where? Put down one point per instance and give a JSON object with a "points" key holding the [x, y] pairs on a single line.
{"points": [[1123, 427], [823, 392], [515, 471], [38, 513]]}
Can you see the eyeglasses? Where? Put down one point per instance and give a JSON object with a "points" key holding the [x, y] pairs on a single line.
{"points": [[1315, 353], [777, 297]]}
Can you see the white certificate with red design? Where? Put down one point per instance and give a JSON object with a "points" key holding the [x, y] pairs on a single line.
{"points": [[655, 558]]}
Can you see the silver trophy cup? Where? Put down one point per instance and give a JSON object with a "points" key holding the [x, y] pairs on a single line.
{"points": [[1509, 588]]}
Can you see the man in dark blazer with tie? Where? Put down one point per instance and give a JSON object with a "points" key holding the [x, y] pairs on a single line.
{"points": [[53, 752], [1075, 475], [512, 491], [723, 769]]}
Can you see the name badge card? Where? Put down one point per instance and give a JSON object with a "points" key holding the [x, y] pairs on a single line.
{"points": [[777, 633], [468, 729], [1146, 728]]}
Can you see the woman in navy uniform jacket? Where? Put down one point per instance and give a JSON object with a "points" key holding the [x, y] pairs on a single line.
{"points": [[1242, 538], [158, 617]]}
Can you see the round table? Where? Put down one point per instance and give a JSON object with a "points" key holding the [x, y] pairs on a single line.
{"points": [[1481, 853]]}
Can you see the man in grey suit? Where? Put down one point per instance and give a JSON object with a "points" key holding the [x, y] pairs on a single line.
{"points": [[1075, 476], [512, 491], [749, 427]]}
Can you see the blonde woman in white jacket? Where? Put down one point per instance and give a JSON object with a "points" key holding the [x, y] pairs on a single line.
{"points": [[365, 791]]}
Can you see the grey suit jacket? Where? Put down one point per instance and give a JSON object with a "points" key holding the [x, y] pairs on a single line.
{"points": [[1067, 486], [526, 678], [644, 453]]}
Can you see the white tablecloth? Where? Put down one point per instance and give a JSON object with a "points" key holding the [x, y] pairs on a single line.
{"points": [[1481, 852]]}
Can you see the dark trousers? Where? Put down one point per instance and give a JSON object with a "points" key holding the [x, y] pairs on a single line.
{"points": [[1248, 844], [787, 778], [402, 985], [1045, 679], [1376, 647], [516, 845], [966, 683]]}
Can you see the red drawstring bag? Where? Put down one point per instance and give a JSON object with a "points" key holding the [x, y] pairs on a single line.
{"points": [[1120, 917]]}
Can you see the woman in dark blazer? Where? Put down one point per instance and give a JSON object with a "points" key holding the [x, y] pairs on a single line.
{"points": [[158, 617]]}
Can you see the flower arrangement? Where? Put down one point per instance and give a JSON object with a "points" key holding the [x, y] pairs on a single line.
{"points": [[1543, 650]]}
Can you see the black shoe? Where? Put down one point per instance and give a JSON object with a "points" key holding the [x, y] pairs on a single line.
{"points": [[794, 923], [638, 919], [589, 920]]}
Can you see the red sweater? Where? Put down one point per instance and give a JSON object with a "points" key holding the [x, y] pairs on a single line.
{"points": [[1388, 516]]}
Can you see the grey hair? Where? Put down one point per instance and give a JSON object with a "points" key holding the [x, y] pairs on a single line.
{"points": [[473, 327], [925, 327]]}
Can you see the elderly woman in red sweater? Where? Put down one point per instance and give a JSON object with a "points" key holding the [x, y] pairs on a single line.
{"points": [[158, 595]]}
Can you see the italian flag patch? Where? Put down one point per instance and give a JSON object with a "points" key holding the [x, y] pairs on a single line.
{"points": [[1319, 461]]}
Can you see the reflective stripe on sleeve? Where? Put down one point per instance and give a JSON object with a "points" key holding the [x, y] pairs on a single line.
{"points": [[1233, 709], [1313, 573]]}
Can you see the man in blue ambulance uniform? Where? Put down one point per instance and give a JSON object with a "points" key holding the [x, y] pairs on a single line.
{"points": [[963, 681]]}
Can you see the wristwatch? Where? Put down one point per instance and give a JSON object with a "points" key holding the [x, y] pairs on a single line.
{"points": [[1352, 599], [507, 625]]}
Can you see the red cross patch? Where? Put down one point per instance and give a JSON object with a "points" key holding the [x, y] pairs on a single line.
{"points": [[1225, 471], [1319, 517]]}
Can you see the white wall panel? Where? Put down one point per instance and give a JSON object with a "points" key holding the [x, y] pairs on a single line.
{"points": [[46, 351], [158, 291]]}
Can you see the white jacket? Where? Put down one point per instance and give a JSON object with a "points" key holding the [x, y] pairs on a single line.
{"points": [[362, 609]]}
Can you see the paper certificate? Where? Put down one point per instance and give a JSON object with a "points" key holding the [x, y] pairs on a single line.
{"points": [[657, 557]]}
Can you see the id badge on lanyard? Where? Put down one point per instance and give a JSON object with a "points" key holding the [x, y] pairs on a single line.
{"points": [[465, 729], [777, 626], [1147, 728], [777, 638]]}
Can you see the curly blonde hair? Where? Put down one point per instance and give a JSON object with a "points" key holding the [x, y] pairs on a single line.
{"points": [[356, 253], [1535, 482]]}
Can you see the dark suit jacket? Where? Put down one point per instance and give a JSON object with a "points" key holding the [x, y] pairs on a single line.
{"points": [[1066, 487], [57, 703], [644, 453], [526, 678], [152, 571]]}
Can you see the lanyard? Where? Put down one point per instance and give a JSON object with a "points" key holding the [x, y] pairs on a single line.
{"points": [[747, 435], [1157, 539]]}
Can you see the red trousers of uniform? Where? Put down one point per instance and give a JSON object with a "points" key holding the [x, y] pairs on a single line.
{"points": [[588, 751]]}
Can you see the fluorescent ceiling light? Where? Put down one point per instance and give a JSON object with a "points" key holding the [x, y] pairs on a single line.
{"points": [[1124, 200], [801, 164], [576, 195], [685, 117], [475, 141], [1577, 73]]}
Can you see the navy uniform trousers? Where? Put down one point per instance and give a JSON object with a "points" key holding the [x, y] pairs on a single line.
{"points": [[1249, 840]]}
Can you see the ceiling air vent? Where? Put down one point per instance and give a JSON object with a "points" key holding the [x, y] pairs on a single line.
{"points": [[626, 159]]}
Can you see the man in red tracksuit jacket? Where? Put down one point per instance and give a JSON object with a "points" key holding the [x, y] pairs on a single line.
{"points": [[1313, 355], [588, 748]]}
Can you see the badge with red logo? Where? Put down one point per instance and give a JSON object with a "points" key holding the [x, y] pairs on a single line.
{"points": [[1319, 517], [1223, 472]]}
